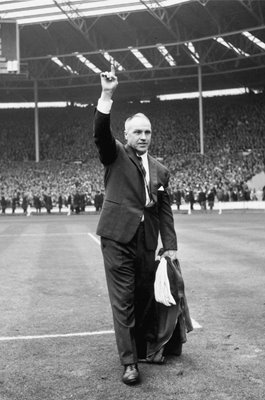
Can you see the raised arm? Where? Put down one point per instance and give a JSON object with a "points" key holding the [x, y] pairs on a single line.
{"points": [[104, 139]]}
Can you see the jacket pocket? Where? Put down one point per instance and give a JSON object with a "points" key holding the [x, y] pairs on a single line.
{"points": [[112, 202]]}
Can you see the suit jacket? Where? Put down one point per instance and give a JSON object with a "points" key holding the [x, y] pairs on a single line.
{"points": [[124, 202]]}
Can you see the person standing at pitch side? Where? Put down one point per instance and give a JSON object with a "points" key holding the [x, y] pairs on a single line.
{"points": [[136, 208]]}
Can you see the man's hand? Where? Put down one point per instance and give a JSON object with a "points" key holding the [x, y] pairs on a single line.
{"points": [[172, 254], [109, 82]]}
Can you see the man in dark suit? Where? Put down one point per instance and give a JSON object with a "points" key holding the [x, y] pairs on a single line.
{"points": [[98, 200], [136, 209]]}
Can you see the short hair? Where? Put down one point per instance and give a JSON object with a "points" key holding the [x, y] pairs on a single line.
{"points": [[137, 115]]}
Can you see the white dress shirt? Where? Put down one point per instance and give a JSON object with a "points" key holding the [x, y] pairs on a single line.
{"points": [[104, 106]]}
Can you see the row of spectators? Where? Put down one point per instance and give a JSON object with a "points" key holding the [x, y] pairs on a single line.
{"points": [[234, 145]]}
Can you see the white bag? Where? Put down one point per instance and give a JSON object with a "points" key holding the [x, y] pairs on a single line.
{"points": [[161, 286]]}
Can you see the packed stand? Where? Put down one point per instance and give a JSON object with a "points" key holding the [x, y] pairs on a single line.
{"points": [[69, 173]]}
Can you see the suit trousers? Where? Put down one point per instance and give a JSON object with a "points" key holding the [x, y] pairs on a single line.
{"points": [[130, 274]]}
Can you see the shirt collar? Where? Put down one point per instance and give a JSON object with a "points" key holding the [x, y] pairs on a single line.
{"points": [[143, 156]]}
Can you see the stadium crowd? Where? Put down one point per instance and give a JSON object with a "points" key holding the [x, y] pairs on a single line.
{"points": [[69, 172]]}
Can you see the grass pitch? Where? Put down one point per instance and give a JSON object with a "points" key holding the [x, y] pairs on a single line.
{"points": [[56, 337]]}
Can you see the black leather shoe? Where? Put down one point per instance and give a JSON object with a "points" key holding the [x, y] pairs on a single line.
{"points": [[131, 374]]}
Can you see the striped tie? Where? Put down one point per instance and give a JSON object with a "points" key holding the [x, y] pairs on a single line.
{"points": [[149, 201], [142, 167]]}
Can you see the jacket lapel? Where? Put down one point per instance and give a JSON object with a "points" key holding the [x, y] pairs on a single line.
{"points": [[132, 155], [152, 170]]}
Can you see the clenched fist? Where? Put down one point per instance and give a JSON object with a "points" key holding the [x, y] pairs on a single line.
{"points": [[109, 82]]}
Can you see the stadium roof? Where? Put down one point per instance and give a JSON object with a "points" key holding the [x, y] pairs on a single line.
{"points": [[158, 47], [38, 11]]}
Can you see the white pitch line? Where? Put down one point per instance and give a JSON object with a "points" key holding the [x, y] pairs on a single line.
{"points": [[54, 336], [41, 234], [69, 335], [94, 238], [195, 324]]}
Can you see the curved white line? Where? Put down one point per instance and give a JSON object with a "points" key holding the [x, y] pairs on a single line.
{"points": [[94, 238]]}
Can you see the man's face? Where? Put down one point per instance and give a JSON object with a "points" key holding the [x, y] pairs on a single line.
{"points": [[138, 134]]}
